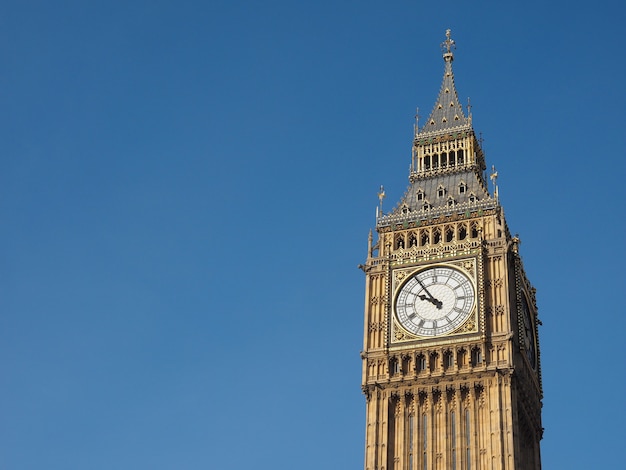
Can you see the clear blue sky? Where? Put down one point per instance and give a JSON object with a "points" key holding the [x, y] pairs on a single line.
{"points": [[186, 190]]}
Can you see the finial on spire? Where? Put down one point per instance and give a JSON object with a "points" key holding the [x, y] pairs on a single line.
{"points": [[494, 179], [416, 125], [381, 196], [447, 47]]}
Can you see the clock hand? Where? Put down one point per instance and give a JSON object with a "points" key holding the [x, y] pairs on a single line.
{"points": [[424, 287], [432, 300]]}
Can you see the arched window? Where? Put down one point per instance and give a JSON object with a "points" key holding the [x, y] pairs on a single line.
{"points": [[449, 234], [421, 363], [461, 358], [399, 242], [436, 235], [394, 366], [406, 364], [433, 361], [477, 357], [474, 233], [462, 232]]}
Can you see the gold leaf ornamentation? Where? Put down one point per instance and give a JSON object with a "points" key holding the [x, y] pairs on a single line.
{"points": [[470, 325]]}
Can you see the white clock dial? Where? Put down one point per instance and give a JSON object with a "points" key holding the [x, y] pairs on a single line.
{"points": [[435, 301]]}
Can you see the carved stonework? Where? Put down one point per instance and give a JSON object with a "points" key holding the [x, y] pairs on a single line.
{"points": [[450, 395], [468, 266], [400, 335], [497, 283], [449, 233], [426, 221], [377, 326], [411, 406], [468, 327]]}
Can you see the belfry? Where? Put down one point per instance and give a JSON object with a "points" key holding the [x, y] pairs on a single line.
{"points": [[451, 363]]}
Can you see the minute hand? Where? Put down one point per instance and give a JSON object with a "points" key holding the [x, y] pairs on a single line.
{"points": [[435, 302]]}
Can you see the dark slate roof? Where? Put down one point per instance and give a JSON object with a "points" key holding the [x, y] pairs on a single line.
{"points": [[411, 207], [447, 114], [451, 184]]}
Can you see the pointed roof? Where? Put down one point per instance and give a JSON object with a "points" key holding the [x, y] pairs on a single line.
{"points": [[447, 113], [458, 186]]}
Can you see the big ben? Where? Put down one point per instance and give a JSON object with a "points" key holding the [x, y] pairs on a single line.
{"points": [[451, 360]]}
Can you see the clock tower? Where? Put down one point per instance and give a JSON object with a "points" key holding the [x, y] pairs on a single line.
{"points": [[451, 369]]}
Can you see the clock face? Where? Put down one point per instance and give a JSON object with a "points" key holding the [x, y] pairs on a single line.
{"points": [[529, 333], [435, 301]]}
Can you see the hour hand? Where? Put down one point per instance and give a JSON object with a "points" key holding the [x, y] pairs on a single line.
{"points": [[432, 300]]}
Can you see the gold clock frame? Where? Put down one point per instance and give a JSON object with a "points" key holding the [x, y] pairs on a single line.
{"points": [[473, 324]]}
